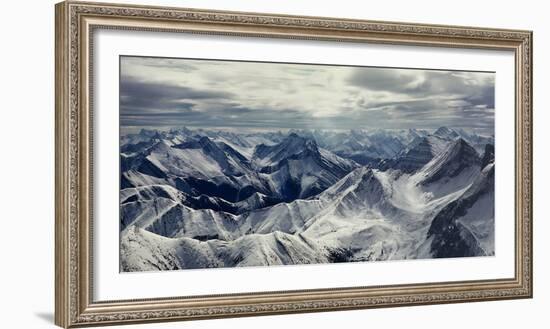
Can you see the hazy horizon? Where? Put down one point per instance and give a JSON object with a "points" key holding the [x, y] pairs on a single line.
{"points": [[247, 130]]}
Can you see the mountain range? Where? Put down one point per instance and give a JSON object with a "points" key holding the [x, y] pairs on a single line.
{"points": [[201, 198]]}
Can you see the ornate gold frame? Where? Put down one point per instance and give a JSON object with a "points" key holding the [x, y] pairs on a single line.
{"points": [[75, 23]]}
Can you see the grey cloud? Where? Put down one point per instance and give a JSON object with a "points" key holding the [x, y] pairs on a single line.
{"points": [[381, 79], [422, 83], [156, 91], [483, 96], [136, 96], [426, 113], [230, 117], [432, 98]]}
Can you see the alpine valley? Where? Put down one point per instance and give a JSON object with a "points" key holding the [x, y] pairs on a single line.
{"points": [[204, 198]]}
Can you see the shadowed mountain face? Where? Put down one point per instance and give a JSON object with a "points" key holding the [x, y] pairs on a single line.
{"points": [[215, 175], [418, 153], [488, 155], [452, 230], [206, 198], [456, 157]]}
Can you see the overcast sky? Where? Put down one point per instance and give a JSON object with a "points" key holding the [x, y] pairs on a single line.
{"points": [[161, 92]]}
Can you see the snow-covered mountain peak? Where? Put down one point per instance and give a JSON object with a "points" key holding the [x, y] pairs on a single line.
{"points": [[293, 144], [460, 150], [456, 158], [445, 132], [348, 183], [160, 145], [419, 152], [183, 131], [201, 142], [147, 132], [207, 198]]}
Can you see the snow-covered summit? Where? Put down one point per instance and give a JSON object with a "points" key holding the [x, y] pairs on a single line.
{"points": [[445, 132], [291, 145], [457, 157], [196, 198]]}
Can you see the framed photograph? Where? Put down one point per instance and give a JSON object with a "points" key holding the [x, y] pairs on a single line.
{"points": [[218, 164]]}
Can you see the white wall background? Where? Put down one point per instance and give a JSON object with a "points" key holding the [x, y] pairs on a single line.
{"points": [[27, 162]]}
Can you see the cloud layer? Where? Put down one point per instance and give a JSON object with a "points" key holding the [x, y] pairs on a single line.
{"points": [[159, 92]]}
